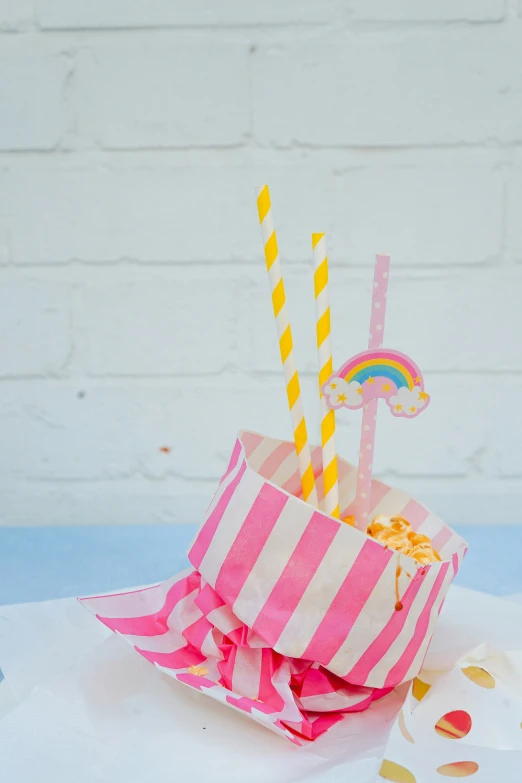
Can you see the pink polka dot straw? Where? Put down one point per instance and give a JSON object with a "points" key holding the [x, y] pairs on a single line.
{"points": [[369, 417], [377, 373]]}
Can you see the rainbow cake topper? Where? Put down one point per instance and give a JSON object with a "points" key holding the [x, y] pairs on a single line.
{"points": [[378, 374]]}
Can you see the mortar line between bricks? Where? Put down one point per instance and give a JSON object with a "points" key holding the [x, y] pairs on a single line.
{"points": [[297, 264], [414, 25], [88, 278], [482, 145], [106, 153], [64, 152], [454, 373], [131, 475], [224, 380], [336, 24], [462, 480], [166, 29]]}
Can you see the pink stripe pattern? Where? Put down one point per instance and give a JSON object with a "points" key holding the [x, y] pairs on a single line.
{"points": [[178, 659], [153, 624], [276, 458], [441, 538], [382, 643], [250, 541], [347, 604], [297, 575], [250, 441], [202, 542], [329, 595], [398, 672], [415, 514]]}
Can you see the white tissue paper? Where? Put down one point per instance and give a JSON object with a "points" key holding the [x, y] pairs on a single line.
{"points": [[79, 706]]}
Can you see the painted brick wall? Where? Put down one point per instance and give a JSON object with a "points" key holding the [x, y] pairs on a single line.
{"points": [[134, 305]]}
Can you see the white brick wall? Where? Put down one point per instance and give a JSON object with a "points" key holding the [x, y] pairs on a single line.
{"points": [[134, 305], [390, 88], [150, 91], [441, 11], [89, 14], [33, 76]]}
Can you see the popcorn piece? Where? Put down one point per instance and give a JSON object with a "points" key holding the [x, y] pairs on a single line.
{"points": [[397, 533], [425, 554]]}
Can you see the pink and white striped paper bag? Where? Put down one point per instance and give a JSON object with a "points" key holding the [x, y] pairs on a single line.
{"points": [[290, 615], [313, 587]]}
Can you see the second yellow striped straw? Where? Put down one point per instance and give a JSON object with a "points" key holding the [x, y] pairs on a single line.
{"points": [[286, 346], [324, 354]]}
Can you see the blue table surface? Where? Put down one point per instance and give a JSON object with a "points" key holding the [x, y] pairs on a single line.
{"points": [[38, 564]]}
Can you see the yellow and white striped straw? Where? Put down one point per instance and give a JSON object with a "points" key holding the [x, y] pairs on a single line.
{"points": [[286, 346], [324, 355]]}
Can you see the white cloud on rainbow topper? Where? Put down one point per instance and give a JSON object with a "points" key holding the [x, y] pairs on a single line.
{"points": [[339, 393], [378, 374], [408, 400]]}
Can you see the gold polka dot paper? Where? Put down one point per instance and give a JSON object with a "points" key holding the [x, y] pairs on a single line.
{"points": [[479, 676], [469, 727], [458, 769], [454, 725], [396, 773], [420, 689]]}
